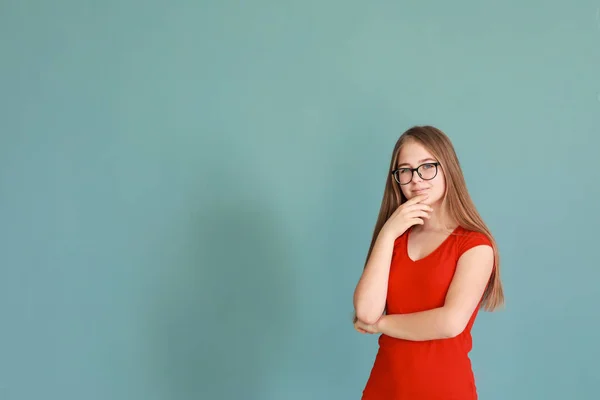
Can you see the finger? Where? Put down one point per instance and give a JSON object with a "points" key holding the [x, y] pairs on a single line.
{"points": [[419, 206], [360, 329], [419, 213], [418, 221], [416, 199]]}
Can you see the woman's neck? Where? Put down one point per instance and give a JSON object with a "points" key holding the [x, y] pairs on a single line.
{"points": [[437, 222]]}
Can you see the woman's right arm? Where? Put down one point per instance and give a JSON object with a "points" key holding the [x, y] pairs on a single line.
{"points": [[370, 294], [371, 291]]}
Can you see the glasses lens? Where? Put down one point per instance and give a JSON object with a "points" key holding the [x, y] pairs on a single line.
{"points": [[404, 176], [427, 171]]}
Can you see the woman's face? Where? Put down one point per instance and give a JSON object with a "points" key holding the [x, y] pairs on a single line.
{"points": [[429, 178]]}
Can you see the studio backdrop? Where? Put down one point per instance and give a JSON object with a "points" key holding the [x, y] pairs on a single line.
{"points": [[188, 189]]}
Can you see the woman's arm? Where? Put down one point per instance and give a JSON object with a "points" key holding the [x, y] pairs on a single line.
{"points": [[371, 291], [370, 294], [470, 280]]}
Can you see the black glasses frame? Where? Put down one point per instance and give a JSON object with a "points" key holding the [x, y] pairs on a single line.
{"points": [[412, 172]]}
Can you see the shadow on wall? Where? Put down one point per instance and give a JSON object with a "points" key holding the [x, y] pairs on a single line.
{"points": [[225, 303]]}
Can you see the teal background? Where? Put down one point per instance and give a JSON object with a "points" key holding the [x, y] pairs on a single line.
{"points": [[188, 189]]}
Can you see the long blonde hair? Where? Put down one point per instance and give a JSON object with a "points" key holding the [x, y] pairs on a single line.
{"points": [[457, 201]]}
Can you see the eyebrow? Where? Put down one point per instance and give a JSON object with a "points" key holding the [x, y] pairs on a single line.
{"points": [[420, 161]]}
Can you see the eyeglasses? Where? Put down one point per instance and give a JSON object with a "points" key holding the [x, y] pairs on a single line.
{"points": [[426, 171]]}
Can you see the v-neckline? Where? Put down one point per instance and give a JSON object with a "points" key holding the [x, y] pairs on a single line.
{"points": [[433, 251]]}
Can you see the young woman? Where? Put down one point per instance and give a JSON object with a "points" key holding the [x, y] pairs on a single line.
{"points": [[431, 266]]}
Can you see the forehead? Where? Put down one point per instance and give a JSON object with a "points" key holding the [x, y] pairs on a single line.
{"points": [[413, 153]]}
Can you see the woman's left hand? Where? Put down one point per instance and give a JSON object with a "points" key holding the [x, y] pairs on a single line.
{"points": [[366, 328]]}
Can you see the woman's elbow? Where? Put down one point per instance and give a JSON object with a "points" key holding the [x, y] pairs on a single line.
{"points": [[368, 316], [454, 326]]}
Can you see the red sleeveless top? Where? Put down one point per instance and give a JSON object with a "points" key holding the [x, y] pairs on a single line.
{"points": [[432, 369]]}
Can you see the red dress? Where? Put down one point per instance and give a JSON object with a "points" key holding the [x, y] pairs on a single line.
{"points": [[432, 369]]}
